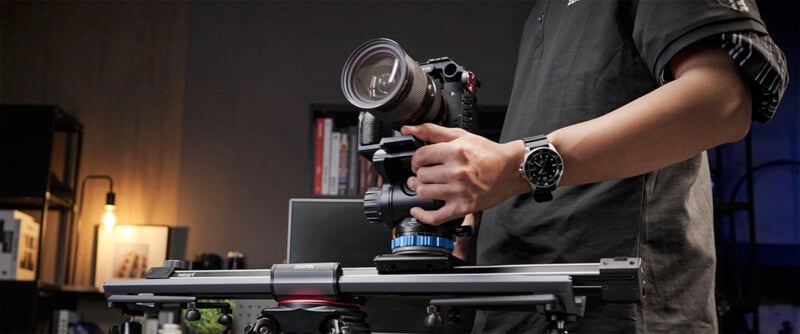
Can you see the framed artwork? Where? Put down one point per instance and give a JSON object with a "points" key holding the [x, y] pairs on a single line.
{"points": [[128, 252], [20, 241]]}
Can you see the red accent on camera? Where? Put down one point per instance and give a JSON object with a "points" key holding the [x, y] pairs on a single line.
{"points": [[471, 81]]}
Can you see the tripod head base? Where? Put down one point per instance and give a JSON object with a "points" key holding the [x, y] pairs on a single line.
{"points": [[416, 263]]}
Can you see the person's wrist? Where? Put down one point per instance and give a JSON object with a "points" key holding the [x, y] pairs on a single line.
{"points": [[556, 139], [516, 183]]}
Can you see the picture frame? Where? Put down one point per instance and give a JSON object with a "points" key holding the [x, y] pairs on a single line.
{"points": [[20, 234], [128, 252]]}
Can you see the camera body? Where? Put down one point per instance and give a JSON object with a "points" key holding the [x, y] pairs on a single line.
{"points": [[438, 91], [457, 87]]}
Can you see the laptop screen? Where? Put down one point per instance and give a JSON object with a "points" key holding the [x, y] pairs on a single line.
{"points": [[335, 230]]}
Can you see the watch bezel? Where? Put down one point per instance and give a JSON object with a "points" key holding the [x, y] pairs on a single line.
{"points": [[553, 179]]}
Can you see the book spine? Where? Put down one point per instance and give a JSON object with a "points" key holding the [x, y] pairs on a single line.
{"points": [[333, 176], [62, 321], [326, 156], [344, 164], [319, 147]]}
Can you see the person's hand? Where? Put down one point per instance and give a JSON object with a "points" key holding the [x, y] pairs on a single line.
{"points": [[466, 171], [461, 249]]}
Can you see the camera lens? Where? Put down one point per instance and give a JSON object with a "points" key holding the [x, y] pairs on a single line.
{"points": [[380, 77], [377, 77]]}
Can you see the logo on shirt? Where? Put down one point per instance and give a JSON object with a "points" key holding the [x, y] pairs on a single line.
{"points": [[739, 5], [572, 2]]}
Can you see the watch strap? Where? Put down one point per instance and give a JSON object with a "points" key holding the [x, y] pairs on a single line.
{"points": [[542, 195], [535, 141]]}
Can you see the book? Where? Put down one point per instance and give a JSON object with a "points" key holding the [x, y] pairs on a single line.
{"points": [[326, 156], [62, 320], [344, 163], [319, 147], [333, 170]]}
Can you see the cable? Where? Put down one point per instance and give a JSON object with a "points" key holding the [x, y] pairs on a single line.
{"points": [[769, 164]]}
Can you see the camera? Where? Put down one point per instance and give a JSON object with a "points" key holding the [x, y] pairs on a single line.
{"points": [[393, 90]]}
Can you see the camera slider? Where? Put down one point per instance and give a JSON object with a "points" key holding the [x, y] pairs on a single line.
{"points": [[316, 297]]}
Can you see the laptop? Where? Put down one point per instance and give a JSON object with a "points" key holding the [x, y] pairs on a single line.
{"points": [[336, 230]]}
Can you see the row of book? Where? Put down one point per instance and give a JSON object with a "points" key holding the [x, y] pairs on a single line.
{"points": [[338, 168]]}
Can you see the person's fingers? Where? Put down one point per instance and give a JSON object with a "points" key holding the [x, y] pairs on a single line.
{"points": [[427, 217], [438, 154], [435, 217], [438, 191], [433, 174], [461, 249], [432, 133], [412, 183]]}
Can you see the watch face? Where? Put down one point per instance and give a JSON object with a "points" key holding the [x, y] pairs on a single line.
{"points": [[543, 167]]}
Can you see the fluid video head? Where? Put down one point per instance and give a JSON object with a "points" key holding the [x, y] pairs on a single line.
{"points": [[393, 90]]}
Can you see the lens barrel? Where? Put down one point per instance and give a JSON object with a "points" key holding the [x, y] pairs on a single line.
{"points": [[380, 77]]}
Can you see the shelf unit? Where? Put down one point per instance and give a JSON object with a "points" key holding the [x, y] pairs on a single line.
{"points": [[40, 148]]}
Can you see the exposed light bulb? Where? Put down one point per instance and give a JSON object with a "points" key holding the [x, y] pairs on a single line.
{"points": [[109, 220]]}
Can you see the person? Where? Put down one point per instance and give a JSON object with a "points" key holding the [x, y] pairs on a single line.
{"points": [[630, 95]]}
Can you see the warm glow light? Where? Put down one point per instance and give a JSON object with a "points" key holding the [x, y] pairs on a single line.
{"points": [[127, 232], [109, 220]]}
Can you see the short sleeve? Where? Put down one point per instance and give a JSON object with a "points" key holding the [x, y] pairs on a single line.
{"points": [[761, 60], [663, 28]]}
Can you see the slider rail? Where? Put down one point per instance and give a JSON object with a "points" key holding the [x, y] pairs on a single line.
{"points": [[551, 288], [615, 280]]}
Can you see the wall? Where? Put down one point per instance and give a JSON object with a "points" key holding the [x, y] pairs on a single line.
{"points": [[254, 68], [119, 68], [778, 187]]}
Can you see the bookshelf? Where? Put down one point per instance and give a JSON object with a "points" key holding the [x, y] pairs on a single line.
{"points": [[337, 169], [40, 148]]}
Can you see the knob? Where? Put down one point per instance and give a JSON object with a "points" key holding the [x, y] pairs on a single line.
{"points": [[433, 319], [225, 320], [372, 205]]}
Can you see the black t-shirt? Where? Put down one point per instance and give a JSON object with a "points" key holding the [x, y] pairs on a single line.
{"points": [[578, 60]]}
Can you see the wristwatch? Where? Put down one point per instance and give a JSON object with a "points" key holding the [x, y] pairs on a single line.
{"points": [[542, 167]]}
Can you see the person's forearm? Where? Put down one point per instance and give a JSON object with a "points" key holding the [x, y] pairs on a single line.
{"points": [[708, 104]]}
